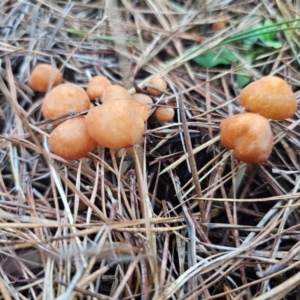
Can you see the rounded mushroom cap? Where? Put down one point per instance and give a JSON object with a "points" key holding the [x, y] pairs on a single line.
{"points": [[113, 92], [70, 139], [96, 86], [271, 97], [43, 77], [249, 135], [142, 109], [143, 99], [164, 113], [158, 83], [219, 25], [65, 98], [115, 124]]}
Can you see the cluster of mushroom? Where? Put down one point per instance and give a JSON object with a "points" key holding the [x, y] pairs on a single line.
{"points": [[118, 122], [249, 135]]}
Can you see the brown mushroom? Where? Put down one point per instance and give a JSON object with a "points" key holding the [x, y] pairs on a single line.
{"points": [[43, 77], [65, 98], [113, 92], [164, 113], [249, 136], [271, 97], [70, 139], [158, 84], [143, 99], [96, 86], [115, 124]]}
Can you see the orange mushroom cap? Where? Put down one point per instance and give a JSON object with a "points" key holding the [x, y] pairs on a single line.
{"points": [[219, 25], [249, 135], [143, 99], [113, 92], [70, 139], [43, 77], [271, 97], [164, 113], [159, 83], [65, 98], [115, 124], [96, 86], [141, 109]]}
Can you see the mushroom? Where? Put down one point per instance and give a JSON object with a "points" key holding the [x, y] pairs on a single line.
{"points": [[219, 25], [249, 136], [65, 98], [271, 97], [96, 86], [141, 109], [115, 124], [143, 99], [70, 139], [43, 77], [157, 86], [113, 92], [164, 113]]}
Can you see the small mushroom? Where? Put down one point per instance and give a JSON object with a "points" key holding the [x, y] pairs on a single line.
{"points": [[271, 97], [70, 139], [96, 86], [65, 98], [113, 92], [43, 77], [142, 109], [115, 124], [249, 136], [143, 99], [164, 113], [158, 84], [218, 25]]}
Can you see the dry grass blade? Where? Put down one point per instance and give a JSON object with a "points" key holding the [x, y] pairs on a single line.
{"points": [[192, 160], [279, 291], [185, 156]]}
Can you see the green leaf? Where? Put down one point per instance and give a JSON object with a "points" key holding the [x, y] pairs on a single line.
{"points": [[273, 44], [249, 42], [263, 33], [242, 80], [214, 58], [268, 38], [266, 34]]}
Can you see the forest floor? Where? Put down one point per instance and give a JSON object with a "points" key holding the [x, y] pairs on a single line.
{"points": [[180, 218]]}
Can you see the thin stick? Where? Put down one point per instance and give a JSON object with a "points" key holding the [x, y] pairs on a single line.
{"points": [[192, 160]]}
